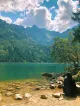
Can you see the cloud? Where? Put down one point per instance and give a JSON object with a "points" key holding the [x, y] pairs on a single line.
{"points": [[19, 5], [7, 19], [39, 17], [42, 17], [62, 20], [32, 13]]}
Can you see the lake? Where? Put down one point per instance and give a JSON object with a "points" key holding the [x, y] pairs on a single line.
{"points": [[16, 71]]}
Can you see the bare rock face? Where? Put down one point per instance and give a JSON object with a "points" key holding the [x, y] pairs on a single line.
{"points": [[18, 97], [57, 95], [43, 97], [27, 95]]}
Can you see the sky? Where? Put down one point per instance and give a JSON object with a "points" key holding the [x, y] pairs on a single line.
{"points": [[54, 15]]}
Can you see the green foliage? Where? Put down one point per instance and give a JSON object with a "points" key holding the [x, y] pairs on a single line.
{"points": [[16, 46], [22, 50], [64, 51], [76, 31], [77, 77]]}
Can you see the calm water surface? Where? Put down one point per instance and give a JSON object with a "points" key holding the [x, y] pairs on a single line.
{"points": [[15, 71]]}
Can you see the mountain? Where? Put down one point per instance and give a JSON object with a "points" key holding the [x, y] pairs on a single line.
{"points": [[31, 44], [39, 36], [17, 46]]}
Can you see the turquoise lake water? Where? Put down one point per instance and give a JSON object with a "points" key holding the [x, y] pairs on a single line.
{"points": [[16, 71]]}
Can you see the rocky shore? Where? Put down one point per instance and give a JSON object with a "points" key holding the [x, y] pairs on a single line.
{"points": [[35, 93]]}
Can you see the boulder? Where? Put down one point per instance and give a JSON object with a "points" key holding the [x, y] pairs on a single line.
{"points": [[47, 75], [78, 89], [51, 82], [52, 86], [18, 97], [43, 97], [60, 85], [59, 82], [57, 95], [61, 79], [27, 95]]}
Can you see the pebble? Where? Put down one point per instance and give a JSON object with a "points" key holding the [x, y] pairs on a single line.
{"points": [[57, 95], [9, 94], [43, 97], [27, 95], [18, 97], [52, 86]]}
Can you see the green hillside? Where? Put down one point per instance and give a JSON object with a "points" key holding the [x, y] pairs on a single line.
{"points": [[17, 46]]}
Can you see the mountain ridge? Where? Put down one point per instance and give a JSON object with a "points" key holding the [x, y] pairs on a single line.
{"points": [[41, 36]]}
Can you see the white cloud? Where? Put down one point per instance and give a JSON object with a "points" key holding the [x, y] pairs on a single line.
{"points": [[34, 14], [40, 17], [7, 19], [63, 21], [18, 5]]}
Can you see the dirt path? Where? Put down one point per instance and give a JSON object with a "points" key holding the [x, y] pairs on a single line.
{"points": [[35, 100]]}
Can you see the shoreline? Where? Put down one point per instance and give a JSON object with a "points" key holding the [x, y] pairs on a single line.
{"points": [[8, 90]]}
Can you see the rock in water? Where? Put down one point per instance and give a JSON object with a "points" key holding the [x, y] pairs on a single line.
{"points": [[18, 97], [57, 95], [47, 75], [43, 97], [27, 95]]}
